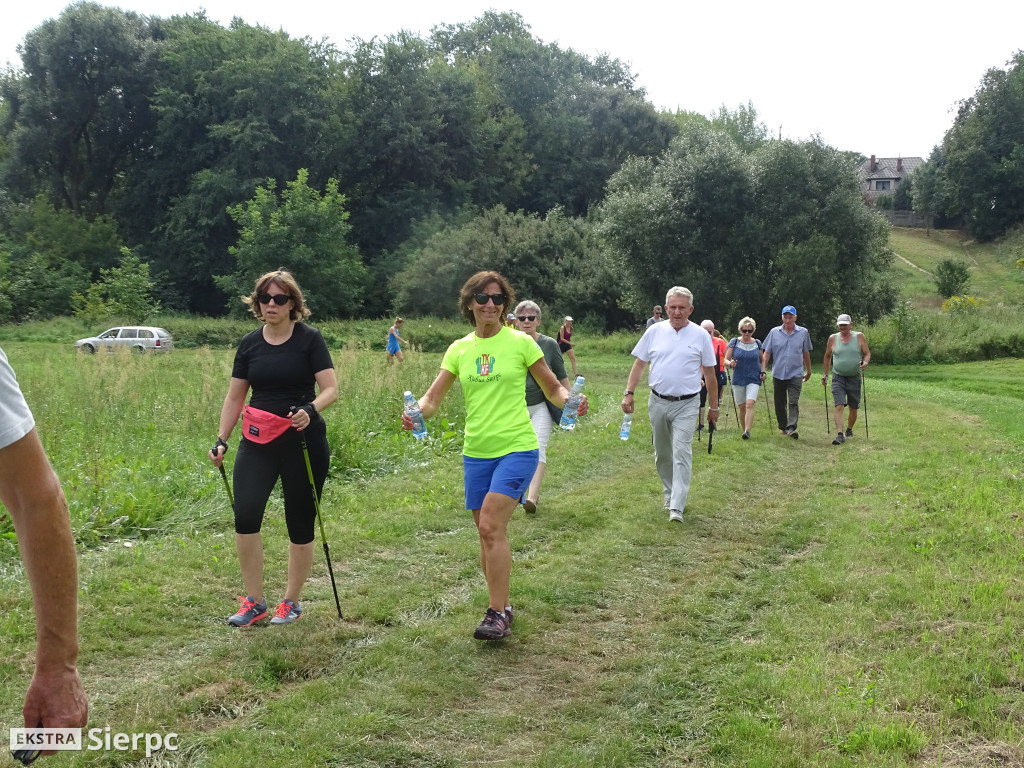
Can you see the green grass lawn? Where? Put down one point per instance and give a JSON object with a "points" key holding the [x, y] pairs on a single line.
{"points": [[835, 606]]}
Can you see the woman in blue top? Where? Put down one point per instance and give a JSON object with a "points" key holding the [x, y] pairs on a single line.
{"points": [[743, 355], [394, 339]]}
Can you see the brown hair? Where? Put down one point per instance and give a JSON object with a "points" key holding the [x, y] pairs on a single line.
{"points": [[476, 284], [286, 282]]}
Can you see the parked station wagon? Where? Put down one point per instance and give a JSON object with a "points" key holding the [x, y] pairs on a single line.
{"points": [[137, 338]]}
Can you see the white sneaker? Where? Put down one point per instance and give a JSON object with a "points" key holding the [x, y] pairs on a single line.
{"points": [[675, 515]]}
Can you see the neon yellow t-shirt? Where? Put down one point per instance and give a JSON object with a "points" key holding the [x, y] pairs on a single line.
{"points": [[493, 377]]}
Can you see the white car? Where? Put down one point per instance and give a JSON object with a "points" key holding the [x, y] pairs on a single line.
{"points": [[137, 338]]}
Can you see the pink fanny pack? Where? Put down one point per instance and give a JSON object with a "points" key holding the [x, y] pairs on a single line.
{"points": [[262, 426]]}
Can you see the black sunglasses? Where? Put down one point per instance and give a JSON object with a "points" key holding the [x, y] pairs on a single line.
{"points": [[280, 299], [482, 298], [524, 318], [746, 330]]}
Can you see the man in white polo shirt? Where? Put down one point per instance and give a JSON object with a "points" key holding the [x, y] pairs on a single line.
{"points": [[679, 352], [32, 494]]}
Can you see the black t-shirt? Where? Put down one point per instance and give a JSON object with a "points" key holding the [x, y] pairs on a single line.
{"points": [[282, 375]]}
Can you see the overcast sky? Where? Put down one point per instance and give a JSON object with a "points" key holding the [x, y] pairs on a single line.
{"points": [[873, 77]]}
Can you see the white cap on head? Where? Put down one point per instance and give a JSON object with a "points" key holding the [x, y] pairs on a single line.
{"points": [[844, 320], [568, 318]]}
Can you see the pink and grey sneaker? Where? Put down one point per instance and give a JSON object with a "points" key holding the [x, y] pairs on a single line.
{"points": [[287, 612], [493, 627], [249, 613]]}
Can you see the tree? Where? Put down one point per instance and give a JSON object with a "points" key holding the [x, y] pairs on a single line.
{"points": [[124, 291], [307, 233], [984, 152], [79, 117], [952, 278], [749, 232]]}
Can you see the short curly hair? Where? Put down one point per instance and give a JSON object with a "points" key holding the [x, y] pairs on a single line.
{"points": [[476, 284]]}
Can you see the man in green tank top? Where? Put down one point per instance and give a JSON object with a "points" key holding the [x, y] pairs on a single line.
{"points": [[847, 355]]}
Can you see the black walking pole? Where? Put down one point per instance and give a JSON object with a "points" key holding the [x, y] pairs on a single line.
{"points": [[711, 436], [223, 474], [735, 412], [323, 535], [864, 396], [824, 387]]}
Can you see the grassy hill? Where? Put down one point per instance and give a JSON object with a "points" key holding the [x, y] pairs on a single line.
{"points": [[992, 265]]}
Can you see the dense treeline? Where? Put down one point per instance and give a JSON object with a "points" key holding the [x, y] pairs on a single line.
{"points": [[384, 174]]}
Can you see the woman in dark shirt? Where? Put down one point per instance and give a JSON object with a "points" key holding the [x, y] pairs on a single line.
{"points": [[283, 363]]}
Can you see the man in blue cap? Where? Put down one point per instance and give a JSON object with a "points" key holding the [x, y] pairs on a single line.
{"points": [[788, 347]]}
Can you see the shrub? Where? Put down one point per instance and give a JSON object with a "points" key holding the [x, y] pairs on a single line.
{"points": [[952, 277]]}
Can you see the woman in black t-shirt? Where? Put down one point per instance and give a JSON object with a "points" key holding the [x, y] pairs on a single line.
{"points": [[284, 362]]}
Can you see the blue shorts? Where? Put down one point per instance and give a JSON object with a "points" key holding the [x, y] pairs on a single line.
{"points": [[509, 474]]}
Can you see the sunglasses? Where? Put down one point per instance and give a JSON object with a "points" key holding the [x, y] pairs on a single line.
{"points": [[280, 299], [746, 330], [525, 318], [482, 298]]}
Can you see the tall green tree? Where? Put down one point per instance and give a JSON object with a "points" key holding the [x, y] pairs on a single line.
{"points": [[749, 232], [984, 152], [77, 116], [307, 233], [234, 107]]}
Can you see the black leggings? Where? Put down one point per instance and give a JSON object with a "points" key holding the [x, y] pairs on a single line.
{"points": [[257, 468]]}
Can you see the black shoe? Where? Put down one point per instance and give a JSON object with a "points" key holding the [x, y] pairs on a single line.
{"points": [[839, 439], [493, 627], [746, 435], [849, 431], [793, 434]]}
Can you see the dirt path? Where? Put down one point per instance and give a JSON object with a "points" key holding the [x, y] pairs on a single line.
{"points": [[912, 264]]}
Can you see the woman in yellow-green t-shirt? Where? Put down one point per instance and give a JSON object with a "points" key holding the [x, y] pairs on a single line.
{"points": [[500, 449]]}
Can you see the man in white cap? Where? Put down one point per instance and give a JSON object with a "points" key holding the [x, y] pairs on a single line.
{"points": [[846, 355], [788, 346]]}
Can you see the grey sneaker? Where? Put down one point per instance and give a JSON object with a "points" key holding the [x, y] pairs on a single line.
{"points": [[849, 432], [493, 627], [839, 439], [675, 516], [249, 613], [287, 612]]}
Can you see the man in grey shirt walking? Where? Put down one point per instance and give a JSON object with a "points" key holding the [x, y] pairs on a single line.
{"points": [[788, 347]]}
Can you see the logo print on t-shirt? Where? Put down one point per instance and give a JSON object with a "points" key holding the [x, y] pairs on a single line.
{"points": [[484, 365]]}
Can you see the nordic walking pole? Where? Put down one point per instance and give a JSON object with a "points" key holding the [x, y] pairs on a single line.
{"points": [[323, 535], [767, 410], [735, 412], [711, 436], [864, 396], [824, 387], [223, 474]]}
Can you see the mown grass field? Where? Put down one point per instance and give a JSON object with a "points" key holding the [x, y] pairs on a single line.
{"points": [[834, 606]]}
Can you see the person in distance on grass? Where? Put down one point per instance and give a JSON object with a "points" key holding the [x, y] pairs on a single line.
{"points": [[31, 492], [283, 363], [395, 341], [500, 451], [788, 348], [743, 355], [565, 343], [720, 347], [655, 318], [846, 355], [679, 353], [542, 411]]}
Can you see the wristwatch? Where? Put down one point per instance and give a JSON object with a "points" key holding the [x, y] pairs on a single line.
{"points": [[627, 392]]}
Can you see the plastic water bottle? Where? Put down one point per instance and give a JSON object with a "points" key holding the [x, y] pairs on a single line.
{"points": [[419, 428], [627, 424], [572, 405]]}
